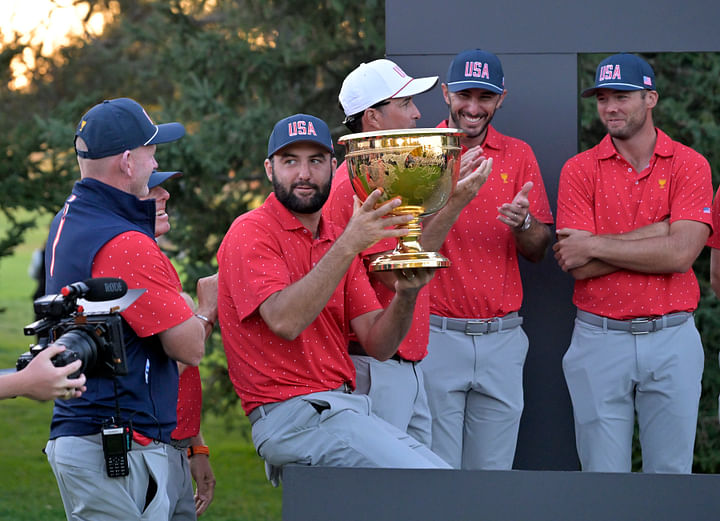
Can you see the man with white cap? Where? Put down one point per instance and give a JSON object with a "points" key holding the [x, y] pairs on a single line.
{"points": [[377, 96]]}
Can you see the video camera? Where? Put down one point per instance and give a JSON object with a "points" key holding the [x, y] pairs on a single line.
{"points": [[89, 328]]}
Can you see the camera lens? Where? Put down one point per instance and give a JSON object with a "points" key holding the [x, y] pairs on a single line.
{"points": [[79, 345]]}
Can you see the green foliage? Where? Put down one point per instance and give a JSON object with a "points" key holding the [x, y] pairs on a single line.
{"points": [[687, 110], [227, 69]]}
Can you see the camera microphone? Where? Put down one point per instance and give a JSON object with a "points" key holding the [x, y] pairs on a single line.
{"points": [[96, 289]]}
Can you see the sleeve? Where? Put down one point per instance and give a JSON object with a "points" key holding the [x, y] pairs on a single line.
{"points": [[252, 264], [714, 240], [575, 205], [137, 259], [360, 295], [539, 204], [692, 193]]}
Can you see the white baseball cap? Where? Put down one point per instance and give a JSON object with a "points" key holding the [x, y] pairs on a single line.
{"points": [[376, 81]]}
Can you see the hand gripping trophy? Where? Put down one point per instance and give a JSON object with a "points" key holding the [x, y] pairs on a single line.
{"points": [[421, 167]]}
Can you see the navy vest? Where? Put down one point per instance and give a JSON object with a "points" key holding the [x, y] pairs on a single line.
{"points": [[92, 215]]}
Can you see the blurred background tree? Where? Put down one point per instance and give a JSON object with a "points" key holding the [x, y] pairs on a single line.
{"points": [[226, 69], [687, 110]]}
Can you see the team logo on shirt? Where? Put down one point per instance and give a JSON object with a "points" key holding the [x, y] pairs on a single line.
{"points": [[504, 177], [662, 183]]}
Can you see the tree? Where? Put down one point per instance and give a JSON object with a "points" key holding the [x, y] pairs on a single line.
{"points": [[226, 69]]}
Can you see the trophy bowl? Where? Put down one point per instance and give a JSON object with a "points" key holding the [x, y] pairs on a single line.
{"points": [[421, 167]]}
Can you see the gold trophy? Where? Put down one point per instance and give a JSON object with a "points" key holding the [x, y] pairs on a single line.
{"points": [[421, 167]]}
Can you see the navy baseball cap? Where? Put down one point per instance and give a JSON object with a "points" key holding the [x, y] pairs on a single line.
{"points": [[116, 125], [297, 128], [622, 72], [476, 69], [158, 178]]}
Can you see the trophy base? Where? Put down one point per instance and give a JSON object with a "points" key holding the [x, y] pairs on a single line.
{"points": [[399, 261]]}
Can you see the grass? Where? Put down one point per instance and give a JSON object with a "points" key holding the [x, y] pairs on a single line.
{"points": [[28, 491]]}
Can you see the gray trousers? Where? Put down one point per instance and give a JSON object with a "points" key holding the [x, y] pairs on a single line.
{"points": [[89, 494], [613, 375], [397, 391], [181, 493], [338, 430], [475, 392]]}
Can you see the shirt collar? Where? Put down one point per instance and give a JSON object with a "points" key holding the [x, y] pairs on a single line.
{"points": [[139, 212], [663, 146]]}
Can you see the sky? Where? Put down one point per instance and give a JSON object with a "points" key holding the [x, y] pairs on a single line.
{"points": [[41, 21]]}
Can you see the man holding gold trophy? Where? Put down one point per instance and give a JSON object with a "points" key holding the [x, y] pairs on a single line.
{"points": [[473, 371], [291, 289], [377, 97]]}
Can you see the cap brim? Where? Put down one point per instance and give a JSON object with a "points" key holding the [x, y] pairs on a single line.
{"points": [[610, 86], [464, 85], [167, 132], [158, 178], [416, 86]]}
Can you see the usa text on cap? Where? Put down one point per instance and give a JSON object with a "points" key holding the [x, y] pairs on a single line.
{"points": [[297, 128], [476, 69], [371, 83], [116, 125], [622, 72]]}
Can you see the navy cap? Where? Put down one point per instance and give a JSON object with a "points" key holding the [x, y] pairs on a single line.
{"points": [[116, 125], [622, 72], [297, 128], [476, 69], [158, 178]]}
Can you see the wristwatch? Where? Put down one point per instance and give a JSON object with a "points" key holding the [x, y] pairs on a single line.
{"points": [[526, 223]]}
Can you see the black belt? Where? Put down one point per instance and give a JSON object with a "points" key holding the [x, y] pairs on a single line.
{"points": [[635, 326], [399, 358], [263, 410], [478, 326], [181, 444]]}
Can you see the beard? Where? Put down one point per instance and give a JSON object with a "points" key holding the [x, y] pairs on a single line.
{"points": [[470, 132], [632, 125], [298, 205]]}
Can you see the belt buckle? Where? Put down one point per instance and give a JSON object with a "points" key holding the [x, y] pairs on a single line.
{"points": [[637, 321], [477, 322]]}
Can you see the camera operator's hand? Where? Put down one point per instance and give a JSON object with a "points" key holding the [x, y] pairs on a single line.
{"points": [[41, 380]]}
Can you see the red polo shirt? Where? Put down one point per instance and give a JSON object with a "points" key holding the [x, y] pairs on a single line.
{"points": [[600, 192], [483, 280], [189, 405], [265, 251], [161, 306], [339, 209]]}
